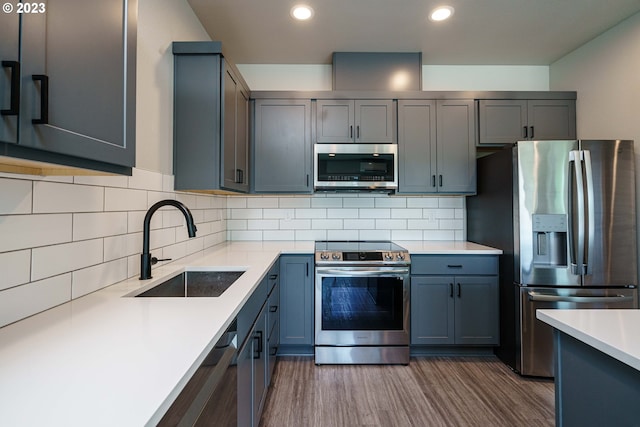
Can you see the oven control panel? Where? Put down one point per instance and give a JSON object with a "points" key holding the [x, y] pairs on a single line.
{"points": [[395, 257]]}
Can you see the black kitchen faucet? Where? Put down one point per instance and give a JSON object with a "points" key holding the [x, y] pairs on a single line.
{"points": [[146, 260]]}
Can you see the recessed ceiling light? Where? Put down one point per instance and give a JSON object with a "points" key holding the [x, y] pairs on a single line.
{"points": [[441, 13], [302, 12]]}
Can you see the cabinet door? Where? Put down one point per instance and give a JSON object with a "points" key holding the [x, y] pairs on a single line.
{"points": [[244, 364], [335, 121], [375, 121], [477, 310], [281, 148], [417, 146], [260, 366], [432, 310], [456, 134], [296, 300], [552, 119], [502, 121], [234, 130], [85, 53], [9, 76]]}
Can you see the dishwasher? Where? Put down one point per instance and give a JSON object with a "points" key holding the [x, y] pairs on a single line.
{"points": [[211, 395]]}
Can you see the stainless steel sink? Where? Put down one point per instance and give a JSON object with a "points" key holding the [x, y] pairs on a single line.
{"points": [[194, 284]]}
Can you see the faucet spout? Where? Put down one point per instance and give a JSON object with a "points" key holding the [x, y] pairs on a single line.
{"points": [[145, 259]]}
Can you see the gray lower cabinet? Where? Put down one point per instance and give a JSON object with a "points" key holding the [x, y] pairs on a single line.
{"points": [[436, 146], [69, 99], [296, 304], [257, 321], [510, 120], [281, 147], [211, 120], [360, 121], [460, 309]]}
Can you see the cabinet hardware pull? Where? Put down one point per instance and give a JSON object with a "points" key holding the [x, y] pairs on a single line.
{"points": [[307, 180], [273, 308], [274, 350], [259, 350], [525, 132], [350, 131], [450, 290], [454, 265], [531, 132], [459, 290], [358, 132], [239, 176], [44, 99], [307, 264], [273, 277], [440, 180], [14, 103], [433, 180]]}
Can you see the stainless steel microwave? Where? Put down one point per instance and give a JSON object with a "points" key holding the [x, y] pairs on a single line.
{"points": [[365, 167]]}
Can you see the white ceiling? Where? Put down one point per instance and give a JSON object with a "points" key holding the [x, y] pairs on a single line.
{"points": [[491, 32]]}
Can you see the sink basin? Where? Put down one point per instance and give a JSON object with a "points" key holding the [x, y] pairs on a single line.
{"points": [[194, 284]]}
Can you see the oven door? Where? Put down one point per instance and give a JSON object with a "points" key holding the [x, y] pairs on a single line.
{"points": [[362, 306]]}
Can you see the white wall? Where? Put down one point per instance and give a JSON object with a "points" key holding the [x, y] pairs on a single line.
{"points": [[160, 22], [434, 77], [605, 73]]}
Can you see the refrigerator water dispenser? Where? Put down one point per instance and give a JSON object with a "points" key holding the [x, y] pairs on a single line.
{"points": [[549, 240]]}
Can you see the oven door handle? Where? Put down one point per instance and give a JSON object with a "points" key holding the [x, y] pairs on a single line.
{"points": [[369, 272]]}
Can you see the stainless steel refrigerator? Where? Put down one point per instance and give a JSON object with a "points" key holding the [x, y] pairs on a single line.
{"points": [[564, 213]]}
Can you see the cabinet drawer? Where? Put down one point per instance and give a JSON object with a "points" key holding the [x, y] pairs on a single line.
{"points": [[454, 265], [273, 309], [250, 311], [272, 277]]}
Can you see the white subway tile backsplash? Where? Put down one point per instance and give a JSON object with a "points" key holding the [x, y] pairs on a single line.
{"points": [[278, 213], [123, 199], [262, 224], [122, 246], [356, 202], [451, 202], [295, 224], [342, 213], [16, 196], [102, 224], [237, 224], [155, 196], [311, 234], [439, 235], [262, 202], [422, 202], [246, 214], [343, 234], [391, 224], [235, 202], [294, 202], [146, 180], [102, 180], [406, 234], [278, 235], [91, 279], [162, 237], [326, 202], [25, 300], [135, 221], [451, 224], [359, 224], [54, 197], [375, 235], [30, 231], [326, 224], [177, 251], [375, 213], [391, 202], [422, 224], [245, 235], [311, 213], [53, 260], [15, 268]]}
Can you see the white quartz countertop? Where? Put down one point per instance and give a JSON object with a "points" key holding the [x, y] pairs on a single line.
{"points": [[110, 360], [613, 332]]}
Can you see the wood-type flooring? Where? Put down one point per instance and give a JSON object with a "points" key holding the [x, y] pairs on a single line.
{"points": [[430, 391]]}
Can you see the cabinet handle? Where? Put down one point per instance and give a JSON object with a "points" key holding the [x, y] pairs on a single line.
{"points": [[307, 180], [44, 99], [307, 264], [440, 180], [259, 350], [273, 308], [450, 290], [273, 277], [454, 265], [459, 290], [433, 180], [525, 132], [531, 131], [14, 105], [351, 131], [273, 351], [239, 176], [358, 132]]}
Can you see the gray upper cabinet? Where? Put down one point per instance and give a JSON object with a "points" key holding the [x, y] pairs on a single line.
{"points": [[235, 146], [360, 121], [507, 121], [211, 119], [281, 146], [76, 84], [436, 146]]}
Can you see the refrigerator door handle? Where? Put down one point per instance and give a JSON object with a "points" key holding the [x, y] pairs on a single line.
{"points": [[535, 296], [590, 206], [576, 213]]}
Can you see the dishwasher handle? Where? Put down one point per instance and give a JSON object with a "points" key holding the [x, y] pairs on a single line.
{"points": [[536, 296]]}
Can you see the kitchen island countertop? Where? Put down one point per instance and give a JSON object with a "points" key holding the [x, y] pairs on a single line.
{"points": [[107, 359]]}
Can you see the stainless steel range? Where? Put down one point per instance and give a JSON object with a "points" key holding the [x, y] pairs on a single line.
{"points": [[361, 302]]}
